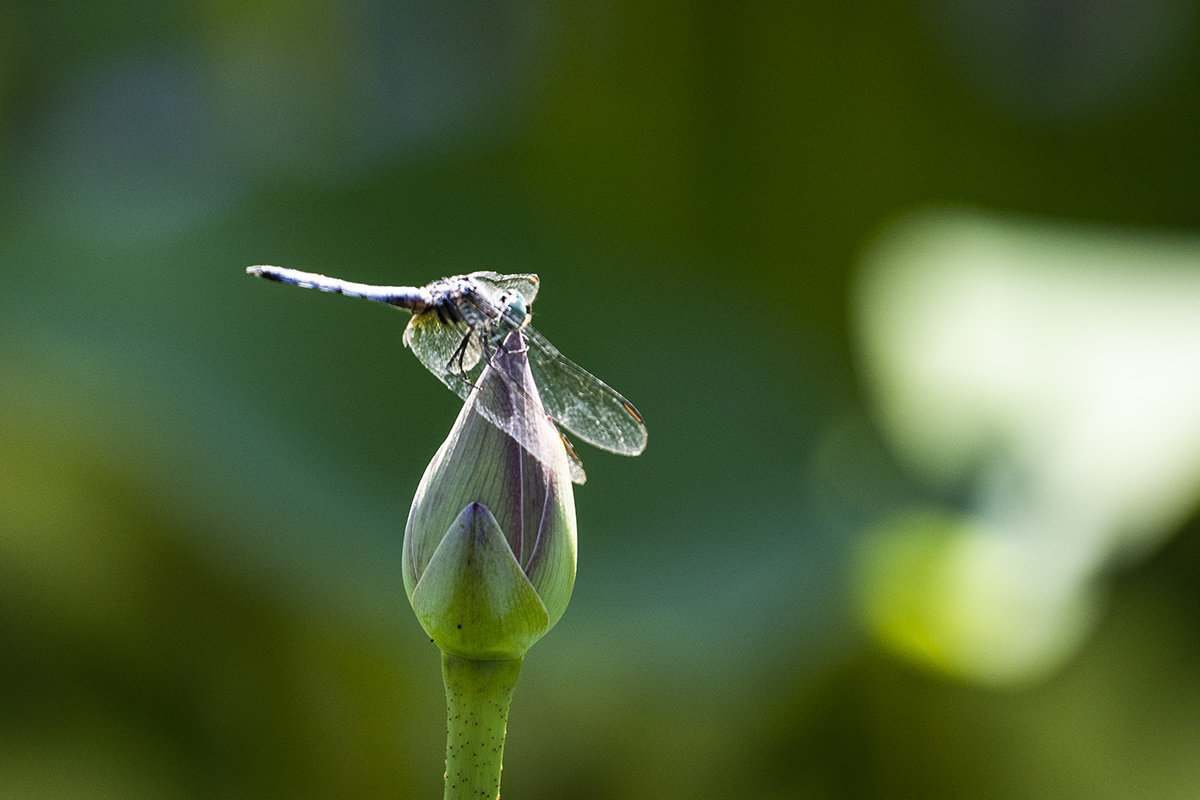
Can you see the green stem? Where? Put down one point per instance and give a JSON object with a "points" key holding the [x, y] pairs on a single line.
{"points": [[478, 694]]}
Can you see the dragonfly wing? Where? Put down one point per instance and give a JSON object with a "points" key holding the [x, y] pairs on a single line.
{"points": [[581, 402], [526, 284], [577, 473], [450, 350], [505, 396]]}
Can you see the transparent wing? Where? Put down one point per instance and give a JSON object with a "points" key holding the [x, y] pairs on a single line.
{"points": [[450, 350], [581, 402], [526, 284], [453, 352], [577, 473]]}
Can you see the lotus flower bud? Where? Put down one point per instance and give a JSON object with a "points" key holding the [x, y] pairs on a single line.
{"points": [[490, 546]]}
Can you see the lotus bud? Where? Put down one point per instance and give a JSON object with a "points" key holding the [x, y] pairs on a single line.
{"points": [[490, 546]]}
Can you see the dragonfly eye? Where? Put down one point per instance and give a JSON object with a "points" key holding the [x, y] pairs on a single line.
{"points": [[517, 308]]}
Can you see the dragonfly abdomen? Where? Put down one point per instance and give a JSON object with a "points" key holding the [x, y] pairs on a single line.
{"points": [[413, 298]]}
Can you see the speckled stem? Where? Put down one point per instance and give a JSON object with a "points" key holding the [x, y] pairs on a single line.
{"points": [[478, 694]]}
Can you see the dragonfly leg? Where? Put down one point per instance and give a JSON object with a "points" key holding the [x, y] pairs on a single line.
{"points": [[460, 355]]}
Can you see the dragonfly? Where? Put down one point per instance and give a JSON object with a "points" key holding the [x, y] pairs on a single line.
{"points": [[459, 326]]}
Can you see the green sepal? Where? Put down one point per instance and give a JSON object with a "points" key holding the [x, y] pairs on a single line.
{"points": [[473, 598]]}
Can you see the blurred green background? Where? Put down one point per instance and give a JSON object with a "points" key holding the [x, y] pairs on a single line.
{"points": [[204, 478]]}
